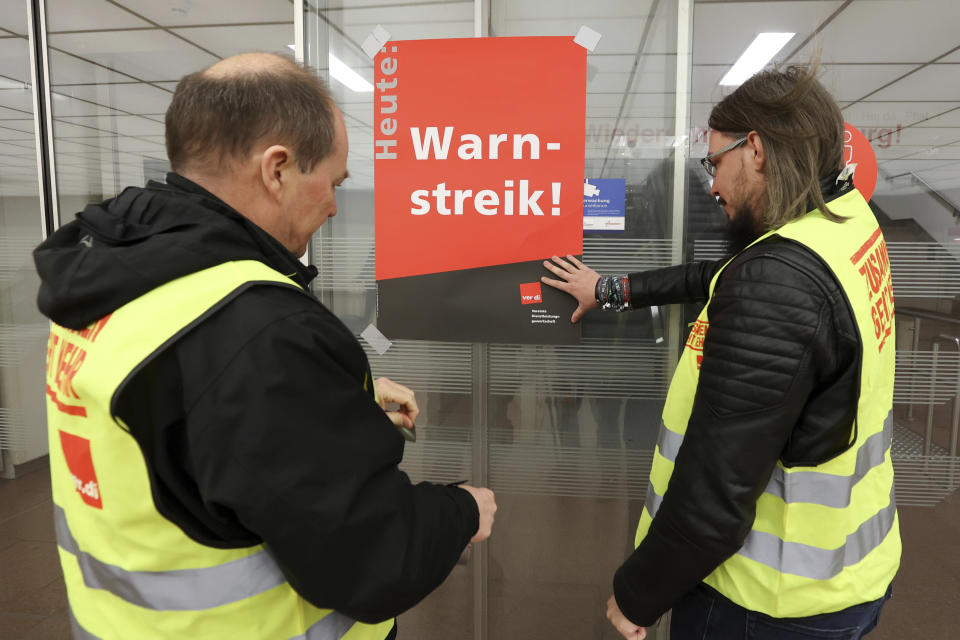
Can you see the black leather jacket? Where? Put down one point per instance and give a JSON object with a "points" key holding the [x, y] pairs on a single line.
{"points": [[779, 381]]}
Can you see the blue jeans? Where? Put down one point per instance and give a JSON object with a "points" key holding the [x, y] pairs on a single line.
{"points": [[704, 614]]}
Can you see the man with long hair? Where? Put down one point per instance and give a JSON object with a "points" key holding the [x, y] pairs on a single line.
{"points": [[770, 510]]}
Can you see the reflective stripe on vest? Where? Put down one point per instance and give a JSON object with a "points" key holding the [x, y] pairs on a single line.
{"points": [[811, 487], [804, 560], [179, 590], [333, 627], [820, 564]]}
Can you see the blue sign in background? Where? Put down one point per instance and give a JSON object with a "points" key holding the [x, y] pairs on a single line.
{"points": [[603, 204]]}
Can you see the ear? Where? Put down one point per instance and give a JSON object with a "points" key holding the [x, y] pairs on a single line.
{"points": [[275, 162], [757, 158]]}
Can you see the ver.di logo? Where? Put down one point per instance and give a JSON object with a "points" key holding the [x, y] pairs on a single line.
{"points": [[76, 453], [530, 293]]}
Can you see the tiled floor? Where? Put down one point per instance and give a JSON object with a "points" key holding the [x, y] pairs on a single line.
{"points": [[926, 602], [543, 571], [33, 600]]}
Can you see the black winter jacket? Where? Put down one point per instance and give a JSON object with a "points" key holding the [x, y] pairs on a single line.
{"points": [[255, 425], [779, 380]]}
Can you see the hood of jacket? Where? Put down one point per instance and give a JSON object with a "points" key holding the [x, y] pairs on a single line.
{"points": [[119, 249]]}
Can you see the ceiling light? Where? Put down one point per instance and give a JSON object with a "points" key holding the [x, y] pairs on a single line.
{"points": [[347, 76], [755, 58]]}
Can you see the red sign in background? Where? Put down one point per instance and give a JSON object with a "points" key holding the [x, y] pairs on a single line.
{"points": [[503, 88], [858, 150]]}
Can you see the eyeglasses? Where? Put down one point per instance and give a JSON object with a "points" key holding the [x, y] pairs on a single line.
{"points": [[707, 162]]}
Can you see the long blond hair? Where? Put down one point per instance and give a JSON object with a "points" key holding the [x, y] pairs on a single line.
{"points": [[801, 128]]}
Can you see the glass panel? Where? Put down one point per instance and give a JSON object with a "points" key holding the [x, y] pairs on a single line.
{"points": [[441, 374], [896, 84], [22, 329], [113, 69], [571, 449], [570, 430]]}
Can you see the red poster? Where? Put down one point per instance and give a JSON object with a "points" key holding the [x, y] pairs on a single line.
{"points": [[479, 156]]}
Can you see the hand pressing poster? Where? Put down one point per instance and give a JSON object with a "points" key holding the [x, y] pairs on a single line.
{"points": [[479, 156]]}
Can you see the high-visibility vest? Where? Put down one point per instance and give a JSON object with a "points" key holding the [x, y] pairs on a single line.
{"points": [[130, 572], [825, 537]]}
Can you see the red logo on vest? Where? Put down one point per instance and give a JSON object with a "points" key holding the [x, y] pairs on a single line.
{"points": [[873, 263], [76, 450], [695, 339], [530, 293]]}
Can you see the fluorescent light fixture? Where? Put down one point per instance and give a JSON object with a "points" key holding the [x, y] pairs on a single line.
{"points": [[347, 76], [757, 55]]}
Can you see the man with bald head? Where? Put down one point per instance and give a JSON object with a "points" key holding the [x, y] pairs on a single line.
{"points": [[223, 462]]}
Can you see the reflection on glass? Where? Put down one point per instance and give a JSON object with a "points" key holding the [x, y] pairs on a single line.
{"points": [[22, 328], [440, 373], [113, 69]]}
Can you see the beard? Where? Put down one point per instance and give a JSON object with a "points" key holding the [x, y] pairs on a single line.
{"points": [[744, 228]]}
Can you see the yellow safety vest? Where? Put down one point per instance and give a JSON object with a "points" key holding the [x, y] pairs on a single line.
{"points": [[825, 537], [130, 572]]}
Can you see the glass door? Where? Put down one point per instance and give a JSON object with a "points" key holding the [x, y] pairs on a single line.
{"points": [[563, 434], [23, 330]]}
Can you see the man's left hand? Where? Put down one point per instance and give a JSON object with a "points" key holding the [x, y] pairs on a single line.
{"points": [[389, 391], [619, 621]]}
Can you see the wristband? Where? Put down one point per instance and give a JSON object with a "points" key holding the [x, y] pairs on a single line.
{"points": [[613, 292], [600, 291]]}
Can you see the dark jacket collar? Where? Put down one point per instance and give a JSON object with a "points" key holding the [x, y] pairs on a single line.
{"points": [[117, 250], [832, 187], [279, 256]]}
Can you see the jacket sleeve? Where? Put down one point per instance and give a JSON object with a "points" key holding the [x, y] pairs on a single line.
{"points": [[769, 326], [287, 438], [684, 283]]}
